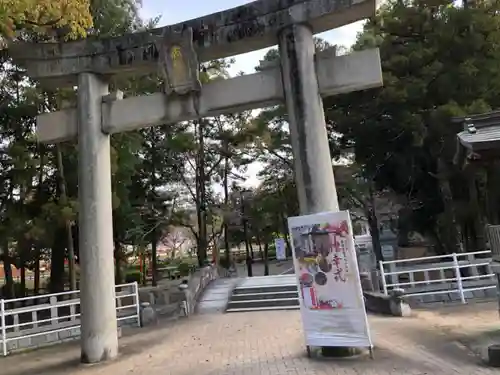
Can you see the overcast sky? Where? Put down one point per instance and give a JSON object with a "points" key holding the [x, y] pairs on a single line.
{"points": [[175, 11]]}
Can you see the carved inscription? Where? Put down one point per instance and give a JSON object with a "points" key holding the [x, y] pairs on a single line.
{"points": [[244, 30], [173, 52], [137, 56]]}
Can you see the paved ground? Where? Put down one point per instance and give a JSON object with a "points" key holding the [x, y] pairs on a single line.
{"points": [[271, 343], [275, 268]]}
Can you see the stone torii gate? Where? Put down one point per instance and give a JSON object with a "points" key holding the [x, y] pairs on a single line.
{"points": [[300, 80]]}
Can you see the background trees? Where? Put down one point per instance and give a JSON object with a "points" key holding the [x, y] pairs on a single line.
{"points": [[438, 59], [73, 17]]}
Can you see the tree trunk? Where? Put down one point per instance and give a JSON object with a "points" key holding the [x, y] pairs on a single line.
{"points": [[8, 291], [154, 234], [374, 226], [259, 243], [201, 196], [22, 251], [478, 213], [154, 253], [404, 228], [248, 258], [226, 206], [9, 280], [435, 238], [67, 223], [266, 258], [453, 235], [144, 271], [250, 243], [286, 235], [36, 281], [215, 246], [201, 252], [118, 263], [22, 282], [375, 235], [57, 263]]}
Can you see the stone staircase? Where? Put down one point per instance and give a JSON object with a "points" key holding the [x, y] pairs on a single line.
{"points": [[262, 293], [215, 297]]}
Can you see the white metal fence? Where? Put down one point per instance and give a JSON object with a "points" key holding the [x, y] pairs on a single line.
{"points": [[29, 321], [460, 274]]}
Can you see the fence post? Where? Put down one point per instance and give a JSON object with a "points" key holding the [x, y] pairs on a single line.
{"points": [[458, 277], [138, 304], [54, 314], [2, 324], [382, 276]]}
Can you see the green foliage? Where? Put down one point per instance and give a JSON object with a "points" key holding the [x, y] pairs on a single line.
{"points": [[183, 269], [133, 276], [34, 213], [42, 16], [18, 290], [225, 262], [438, 60]]}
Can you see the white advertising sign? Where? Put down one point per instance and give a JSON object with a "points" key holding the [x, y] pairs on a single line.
{"points": [[279, 243], [331, 299]]}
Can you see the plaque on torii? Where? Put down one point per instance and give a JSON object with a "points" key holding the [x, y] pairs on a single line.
{"points": [[179, 63], [299, 80]]}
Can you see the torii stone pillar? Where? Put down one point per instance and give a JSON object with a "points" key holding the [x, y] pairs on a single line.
{"points": [[99, 340], [301, 81], [311, 152]]}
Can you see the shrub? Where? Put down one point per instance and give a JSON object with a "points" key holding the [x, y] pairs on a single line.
{"points": [[183, 269], [16, 288], [133, 267], [225, 263], [165, 262], [271, 254], [133, 276]]}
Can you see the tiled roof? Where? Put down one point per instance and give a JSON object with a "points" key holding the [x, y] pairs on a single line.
{"points": [[481, 132]]}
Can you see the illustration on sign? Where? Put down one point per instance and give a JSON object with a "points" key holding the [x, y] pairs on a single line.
{"points": [[321, 253], [332, 305]]}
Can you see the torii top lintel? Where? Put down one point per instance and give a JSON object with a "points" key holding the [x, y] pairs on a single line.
{"points": [[230, 32]]}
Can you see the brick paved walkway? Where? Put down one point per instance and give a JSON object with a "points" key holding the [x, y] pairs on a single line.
{"points": [[262, 343]]}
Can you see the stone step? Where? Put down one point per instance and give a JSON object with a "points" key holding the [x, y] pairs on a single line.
{"points": [[267, 308], [262, 296], [265, 289], [252, 304], [278, 292]]}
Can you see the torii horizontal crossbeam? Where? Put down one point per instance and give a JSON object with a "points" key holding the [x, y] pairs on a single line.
{"points": [[246, 28], [336, 75]]}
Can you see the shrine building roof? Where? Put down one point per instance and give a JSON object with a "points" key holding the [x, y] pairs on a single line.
{"points": [[481, 134]]}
